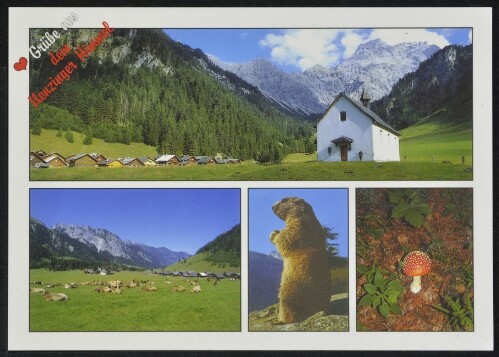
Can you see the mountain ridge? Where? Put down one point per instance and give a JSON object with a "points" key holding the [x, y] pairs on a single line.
{"points": [[100, 244], [374, 65], [443, 83]]}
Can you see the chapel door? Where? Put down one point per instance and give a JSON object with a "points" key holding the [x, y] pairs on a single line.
{"points": [[344, 152]]}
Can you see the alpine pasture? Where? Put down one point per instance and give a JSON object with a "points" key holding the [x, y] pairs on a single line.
{"points": [[215, 308], [430, 151]]}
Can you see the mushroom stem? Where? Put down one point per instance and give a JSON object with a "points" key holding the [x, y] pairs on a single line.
{"points": [[416, 284]]}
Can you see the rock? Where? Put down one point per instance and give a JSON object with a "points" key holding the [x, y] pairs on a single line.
{"points": [[335, 320]]}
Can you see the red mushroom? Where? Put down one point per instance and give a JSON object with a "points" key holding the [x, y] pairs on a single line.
{"points": [[416, 264]]}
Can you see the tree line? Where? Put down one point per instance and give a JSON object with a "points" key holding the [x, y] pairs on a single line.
{"points": [[174, 106], [444, 83]]}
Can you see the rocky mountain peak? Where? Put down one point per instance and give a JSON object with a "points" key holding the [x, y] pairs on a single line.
{"points": [[375, 65]]}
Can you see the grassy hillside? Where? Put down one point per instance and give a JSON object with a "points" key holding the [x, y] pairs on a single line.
{"points": [[199, 263], [49, 142], [425, 147], [442, 141], [308, 171], [216, 308]]}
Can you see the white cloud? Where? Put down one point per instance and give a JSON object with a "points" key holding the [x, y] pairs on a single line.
{"points": [[396, 36], [351, 40], [470, 36], [304, 48]]}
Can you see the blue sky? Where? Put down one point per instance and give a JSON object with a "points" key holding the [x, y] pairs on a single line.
{"points": [[330, 207], [178, 219], [298, 49]]}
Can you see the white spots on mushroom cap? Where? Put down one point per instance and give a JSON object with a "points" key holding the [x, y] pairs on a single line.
{"points": [[416, 263]]}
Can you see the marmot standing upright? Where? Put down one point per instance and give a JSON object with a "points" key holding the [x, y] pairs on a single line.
{"points": [[306, 278]]}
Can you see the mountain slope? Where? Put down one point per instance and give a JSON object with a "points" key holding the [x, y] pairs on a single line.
{"points": [[90, 245], [375, 65], [275, 84], [125, 251], [442, 83], [219, 255], [141, 86], [264, 280], [46, 244], [226, 248]]}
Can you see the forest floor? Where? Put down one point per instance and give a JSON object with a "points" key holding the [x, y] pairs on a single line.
{"points": [[394, 222]]}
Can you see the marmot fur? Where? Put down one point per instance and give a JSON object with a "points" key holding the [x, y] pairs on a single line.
{"points": [[306, 279]]}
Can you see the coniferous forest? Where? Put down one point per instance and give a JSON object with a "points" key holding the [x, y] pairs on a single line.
{"points": [[443, 83], [141, 86]]}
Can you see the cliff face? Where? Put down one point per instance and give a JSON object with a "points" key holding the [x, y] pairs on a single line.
{"points": [[89, 243], [375, 65]]}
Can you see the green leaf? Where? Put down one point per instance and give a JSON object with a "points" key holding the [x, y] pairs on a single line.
{"points": [[414, 218], [396, 285], [384, 309], [366, 300], [379, 281], [370, 288], [392, 295], [376, 301], [395, 308], [440, 308], [423, 208], [362, 268], [394, 196], [400, 210]]}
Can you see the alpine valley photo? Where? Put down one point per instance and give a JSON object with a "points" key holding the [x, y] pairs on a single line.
{"points": [[296, 104], [132, 260]]}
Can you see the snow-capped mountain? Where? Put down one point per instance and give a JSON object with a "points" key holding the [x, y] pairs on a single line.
{"points": [[277, 85], [375, 65], [102, 239], [135, 253], [275, 254]]}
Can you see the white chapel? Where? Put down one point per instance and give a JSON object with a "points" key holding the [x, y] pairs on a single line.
{"points": [[350, 131]]}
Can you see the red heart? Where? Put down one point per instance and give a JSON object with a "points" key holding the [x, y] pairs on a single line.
{"points": [[21, 65]]}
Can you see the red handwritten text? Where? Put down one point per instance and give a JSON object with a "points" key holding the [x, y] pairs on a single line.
{"points": [[59, 55], [83, 52], [52, 85]]}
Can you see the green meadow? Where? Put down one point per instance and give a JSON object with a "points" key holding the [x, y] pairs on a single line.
{"points": [[199, 263], [437, 142], [50, 142], [431, 151], [215, 308], [301, 171]]}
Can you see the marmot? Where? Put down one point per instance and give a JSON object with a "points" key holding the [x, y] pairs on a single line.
{"points": [[306, 279]]}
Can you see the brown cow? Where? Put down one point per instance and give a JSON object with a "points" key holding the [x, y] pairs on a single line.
{"points": [[196, 289], [37, 290], [149, 288], [178, 288], [55, 296]]}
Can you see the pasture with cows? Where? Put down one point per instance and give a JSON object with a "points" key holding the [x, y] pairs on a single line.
{"points": [[132, 301]]}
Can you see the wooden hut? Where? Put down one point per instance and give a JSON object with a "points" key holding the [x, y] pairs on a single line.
{"points": [[167, 160], [97, 157], [132, 162], [110, 163], [35, 160], [147, 161], [81, 160], [55, 160], [205, 160], [188, 160]]}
